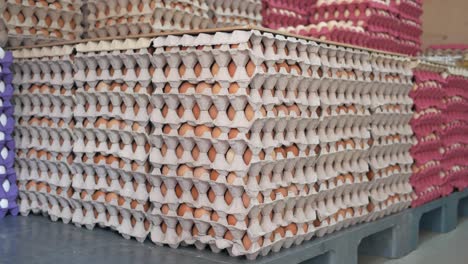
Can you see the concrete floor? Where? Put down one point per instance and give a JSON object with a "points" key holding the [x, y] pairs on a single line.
{"points": [[35, 239]]}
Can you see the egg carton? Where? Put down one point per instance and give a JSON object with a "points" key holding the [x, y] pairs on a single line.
{"points": [[37, 65], [108, 18], [57, 174], [46, 199], [132, 186], [427, 121], [26, 24], [457, 177], [112, 164], [428, 148], [60, 140], [454, 132], [8, 194], [126, 216], [99, 10], [232, 13]]}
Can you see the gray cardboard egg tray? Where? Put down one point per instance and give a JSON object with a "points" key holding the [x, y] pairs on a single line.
{"points": [[229, 13], [31, 27], [258, 140], [121, 18]]}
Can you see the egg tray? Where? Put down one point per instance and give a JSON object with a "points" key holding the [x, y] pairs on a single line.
{"points": [[66, 204], [431, 194], [285, 13], [408, 9], [457, 177], [427, 149], [127, 185], [50, 24], [454, 132], [101, 10], [160, 19], [57, 174], [41, 138], [344, 33], [232, 13]]}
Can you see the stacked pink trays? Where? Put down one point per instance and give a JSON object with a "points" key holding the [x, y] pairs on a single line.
{"points": [[455, 130], [391, 26], [429, 179], [32, 22], [8, 189], [289, 13]]}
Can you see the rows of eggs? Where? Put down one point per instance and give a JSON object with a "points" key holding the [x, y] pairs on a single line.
{"points": [[28, 23], [214, 227], [146, 18], [227, 13], [85, 208], [43, 76]]}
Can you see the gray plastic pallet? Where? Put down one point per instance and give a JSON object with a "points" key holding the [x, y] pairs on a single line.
{"points": [[391, 237]]}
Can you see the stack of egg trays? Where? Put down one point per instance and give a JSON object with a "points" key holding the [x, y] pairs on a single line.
{"points": [[280, 13], [344, 136], [389, 158], [428, 93], [33, 22], [8, 188], [111, 135], [132, 17], [234, 141], [409, 14], [233, 13], [43, 99], [454, 135], [261, 141]]}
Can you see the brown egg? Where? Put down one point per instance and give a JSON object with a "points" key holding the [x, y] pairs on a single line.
{"points": [[183, 170], [249, 112], [216, 132], [250, 68], [194, 192], [111, 197], [232, 68], [195, 153], [213, 112], [178, 191], [233, 88], [246, 242], [195, 230], [292, 227], [183, 208], [179, 151], [201, 130], [197, 172], [200, 212], [97, 195], [196, 111], [245, 200], [203, 88], [370, 207], [215, 69], [247, 156], [216, 89], [163, 227], [212, 154], [184, 129], [211, 195], [231, 113], [163, 189], [214, 216], [228, 197], [228, 235], [197, 69], [214, 175]]}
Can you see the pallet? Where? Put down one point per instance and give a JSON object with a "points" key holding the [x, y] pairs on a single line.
{"points": [[393, 236]]}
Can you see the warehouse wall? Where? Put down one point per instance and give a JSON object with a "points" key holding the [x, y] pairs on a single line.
{"points": [[445, 22]]}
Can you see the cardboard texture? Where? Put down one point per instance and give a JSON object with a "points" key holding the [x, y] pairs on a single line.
{"points": [[242, 139], [33, 22], [8, 187]]}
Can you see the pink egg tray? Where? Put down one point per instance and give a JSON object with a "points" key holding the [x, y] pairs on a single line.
{"points": [[440, 125], [8, 188], [369, 24]]}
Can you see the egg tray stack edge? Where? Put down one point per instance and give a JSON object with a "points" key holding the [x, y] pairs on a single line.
{"points": [[247, 140], [8, 188]]}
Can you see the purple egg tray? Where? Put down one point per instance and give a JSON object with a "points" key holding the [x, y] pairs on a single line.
{"points": [[8, 188]]}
